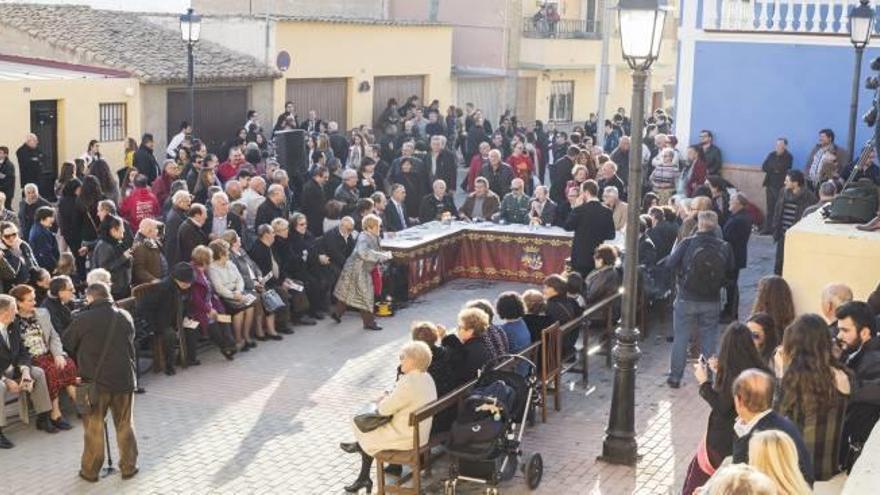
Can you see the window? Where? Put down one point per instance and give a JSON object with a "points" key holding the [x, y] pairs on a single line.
{"points": [[112, 123], [561, 101]]}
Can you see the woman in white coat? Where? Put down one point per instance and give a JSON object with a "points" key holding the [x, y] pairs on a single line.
{"points": [[414, 389]]}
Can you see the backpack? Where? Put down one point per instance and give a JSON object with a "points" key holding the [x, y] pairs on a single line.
{"points": [[707, 272], [856, 204]]}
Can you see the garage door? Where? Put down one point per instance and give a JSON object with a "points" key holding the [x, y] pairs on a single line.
{"points": [[526, 90], [398, 87], [485, 94], [328, 96], [219, 112]]}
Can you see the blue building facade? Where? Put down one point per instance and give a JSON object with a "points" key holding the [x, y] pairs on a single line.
{"points": [[755, 71]]}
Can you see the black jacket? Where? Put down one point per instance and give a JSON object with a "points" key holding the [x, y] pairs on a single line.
{"points": [[85, 337], [233, 222], [268, 211], [465, 359], [499, 180], [393, 222], [664, 235], [262, 256], [173, 222], [17, 268], [681, 260], [14, 354], [189, 235], [108, 254], [59, 313], [736, 232], [339, 145], [775, 421], [863, 409], [560, 175], [719, 432], [445, 169], [593, 224], [313, 205], [7, 181], [431, 207], [30, 165], [145, 162], [26, 213], [337, 248], [615, 181], [161, 303], [775, 167]]}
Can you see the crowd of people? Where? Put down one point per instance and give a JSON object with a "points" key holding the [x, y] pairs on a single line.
{"points": [[228, 246]]}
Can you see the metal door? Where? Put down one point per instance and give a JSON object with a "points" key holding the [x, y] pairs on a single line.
{"points": [[219, 113], [329, 97], [485, 93], [397, 87], [44, 123]]}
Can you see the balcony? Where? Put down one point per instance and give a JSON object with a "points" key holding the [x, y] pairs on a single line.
{"points": [[822, 17], [561, 29]]}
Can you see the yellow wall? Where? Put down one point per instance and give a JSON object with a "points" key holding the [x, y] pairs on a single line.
{"points": [[78, 114], [360, 52]]}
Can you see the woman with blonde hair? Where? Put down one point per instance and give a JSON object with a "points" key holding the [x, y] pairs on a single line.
{"points": [[773, 453]]}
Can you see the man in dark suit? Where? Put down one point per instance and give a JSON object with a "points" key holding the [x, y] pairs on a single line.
{"points": [[560, 174], [16, 372], [437, 203], [219, 220], [98, 324], [145, 160], [312, 125], [753, 400], [181, 201], [274, 206], [395, 213], [736, 232], [338, 143], [190, 233], [441, 163], [593, 224], [337, 244], [314, 201]]}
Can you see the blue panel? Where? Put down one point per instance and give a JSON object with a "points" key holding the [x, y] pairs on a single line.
{"points": [[750, 93]]}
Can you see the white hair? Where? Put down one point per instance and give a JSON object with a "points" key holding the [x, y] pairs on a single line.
{"points": [[179, 196], [98, 275], [30, 187], [348, 173]]}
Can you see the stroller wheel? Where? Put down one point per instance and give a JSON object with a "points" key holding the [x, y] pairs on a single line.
{"points": [[534, 470]]}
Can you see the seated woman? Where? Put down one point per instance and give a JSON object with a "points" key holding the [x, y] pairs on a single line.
{"points": [[467, 350], [494, 337], [44, 345], [252, 276], [511, 309], [412, 391], [561, 309], [536, 317], [603, 282], [229, 285], [205, 308]]}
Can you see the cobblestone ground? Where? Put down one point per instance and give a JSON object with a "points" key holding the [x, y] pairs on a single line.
{"points": [[270, 422]]}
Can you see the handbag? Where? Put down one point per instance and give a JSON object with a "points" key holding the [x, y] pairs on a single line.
{"points": [[367, 422], [856, 204], [87, 392], [272, 301]]}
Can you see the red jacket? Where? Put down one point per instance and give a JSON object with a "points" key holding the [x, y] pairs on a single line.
{"points": [[140, 204], [477, 162], [227, 170]]}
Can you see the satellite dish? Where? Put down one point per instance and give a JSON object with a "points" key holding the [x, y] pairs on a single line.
{"points": [[282, 61]]}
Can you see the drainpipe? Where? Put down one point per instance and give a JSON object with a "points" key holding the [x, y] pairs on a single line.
{"points": [[433, 7]]}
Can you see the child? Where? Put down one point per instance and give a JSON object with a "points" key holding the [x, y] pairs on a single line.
{"points": [[41, 285]]}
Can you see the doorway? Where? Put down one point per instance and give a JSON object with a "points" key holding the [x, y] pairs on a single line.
{"points": [[44, 123]]}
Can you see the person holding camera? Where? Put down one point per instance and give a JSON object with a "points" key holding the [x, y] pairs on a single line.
{"points": [[17, 376], [111, 254]]}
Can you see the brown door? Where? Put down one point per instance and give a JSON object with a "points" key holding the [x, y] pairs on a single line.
{"points": [[398, 87], [526, 90], [219, 113], [329, 97]]}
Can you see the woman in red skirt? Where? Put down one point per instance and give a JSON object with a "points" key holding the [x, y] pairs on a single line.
{"points": [[44, 344]]}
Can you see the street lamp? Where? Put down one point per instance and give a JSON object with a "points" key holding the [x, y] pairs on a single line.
{"points": [[190, 29], [641, 31], [861, 25]]}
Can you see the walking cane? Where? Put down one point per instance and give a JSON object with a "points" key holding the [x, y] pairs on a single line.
{"points": [[107, 471]]}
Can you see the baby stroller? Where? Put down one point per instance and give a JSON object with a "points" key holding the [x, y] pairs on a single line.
{"points": [[485, 442]]}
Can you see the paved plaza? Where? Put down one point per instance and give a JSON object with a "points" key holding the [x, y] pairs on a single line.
{"points": [[270, 422]]}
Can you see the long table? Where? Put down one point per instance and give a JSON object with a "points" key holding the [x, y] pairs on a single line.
{"points": [[434, 253]]}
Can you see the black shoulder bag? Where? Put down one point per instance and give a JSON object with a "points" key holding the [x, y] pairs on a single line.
{"points": [[87, 392]]}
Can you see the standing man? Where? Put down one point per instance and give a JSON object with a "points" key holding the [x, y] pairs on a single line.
{"points": [[30, 164], [145, 161], [737, 231], [102, 337], [176, 140], [701, 263], [560, 174], [789, 209], [7, 177], [775, 166], [711, 152], [441, 163], [314, 202], [498, 173], [17, 375], [824, 146], [592, 224]]}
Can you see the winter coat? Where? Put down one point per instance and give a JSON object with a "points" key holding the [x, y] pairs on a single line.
{"points": [[138, 205], [411, 392], [355, 284]]}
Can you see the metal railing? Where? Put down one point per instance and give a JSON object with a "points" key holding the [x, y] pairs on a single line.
{"points": [[563, 28], [827, 17]]}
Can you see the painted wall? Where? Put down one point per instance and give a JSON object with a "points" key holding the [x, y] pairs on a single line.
{"points": [[243, 34], [78, 113], [360, 52], [342, 8], [783, 90]]}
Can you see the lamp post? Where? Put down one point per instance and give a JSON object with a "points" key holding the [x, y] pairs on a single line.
{"points": [[641, 30], [190, 29], [861, 25]]}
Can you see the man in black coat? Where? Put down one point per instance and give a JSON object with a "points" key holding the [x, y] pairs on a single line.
{"points": [[314, 201], [98, 324], [7, 176], [180, 204], [145, 160], [437, 203], [219, 219], [338, 143], [665, 230], [338, 244], [593, 224], [190, 233], [441, 163], [274, 206], [753, 401], [16, 369], [561, 174], [162, 304], [857, 334], [30, 162], [737, 231], [775, 166]]}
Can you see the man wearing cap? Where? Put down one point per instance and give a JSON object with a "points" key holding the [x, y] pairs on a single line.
{"points": [[162, 304]]}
